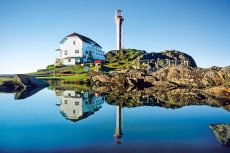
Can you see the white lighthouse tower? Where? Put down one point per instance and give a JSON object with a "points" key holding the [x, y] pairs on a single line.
{"points": [[118, 21]]}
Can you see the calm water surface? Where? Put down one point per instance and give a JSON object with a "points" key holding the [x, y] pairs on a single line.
{"points": [[69, 121]]}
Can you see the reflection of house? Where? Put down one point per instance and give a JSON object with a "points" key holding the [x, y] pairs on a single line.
{"points": [[75, 106]]}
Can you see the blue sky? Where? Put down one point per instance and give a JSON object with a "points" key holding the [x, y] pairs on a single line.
{"points": [[30, 30]]}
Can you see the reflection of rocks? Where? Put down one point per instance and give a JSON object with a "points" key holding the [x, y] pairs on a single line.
{"points": [[222, 133], [23, 85], [168, 98], [23, 94], [75, 106], [219, 92], [20, 92]]}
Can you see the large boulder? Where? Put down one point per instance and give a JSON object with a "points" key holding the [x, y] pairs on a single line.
{"points": [[30, 82], [224, 73], [168, 57], [190, 77], [170, 76]]}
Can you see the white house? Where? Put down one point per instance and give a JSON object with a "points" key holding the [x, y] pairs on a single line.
{"points": [[76, 48], [75, 106]]}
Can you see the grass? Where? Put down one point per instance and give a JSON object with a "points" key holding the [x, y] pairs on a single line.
{"points": [[70, 86], [77, 77], [118, 62]]}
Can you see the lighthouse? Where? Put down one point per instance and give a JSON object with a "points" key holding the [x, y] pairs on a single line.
{"points": [[118, 22]]}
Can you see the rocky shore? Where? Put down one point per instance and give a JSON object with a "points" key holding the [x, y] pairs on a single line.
{"points": [[170, 76], [23, 85], [175, 86]]}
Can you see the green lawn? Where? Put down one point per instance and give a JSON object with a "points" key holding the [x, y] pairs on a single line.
{"points": [[69, 86], [77, 77]]}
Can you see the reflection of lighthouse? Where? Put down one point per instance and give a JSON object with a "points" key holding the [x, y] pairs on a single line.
{"points": [[118, 21], [118, 130]]}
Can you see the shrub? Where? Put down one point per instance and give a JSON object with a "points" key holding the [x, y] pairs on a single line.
{"points": [[50, 67]]}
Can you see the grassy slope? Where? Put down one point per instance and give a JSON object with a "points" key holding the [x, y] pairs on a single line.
{"points": [[116, 61], [76, 72], [76, 77]]}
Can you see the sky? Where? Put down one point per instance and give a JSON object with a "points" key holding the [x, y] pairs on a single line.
{"points": [[30, 30]]}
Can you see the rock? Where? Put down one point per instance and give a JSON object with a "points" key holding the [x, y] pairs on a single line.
{"points": [[102, 78], [170, 76], [224, 73], [23, 85], [222, 133], [190, 77], [30, 82], [166, 58]]}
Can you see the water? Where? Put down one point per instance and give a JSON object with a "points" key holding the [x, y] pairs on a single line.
{"points": [[69, 121]]}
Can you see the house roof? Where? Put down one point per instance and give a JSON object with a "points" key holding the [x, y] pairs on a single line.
{"points": [[83, 38]]}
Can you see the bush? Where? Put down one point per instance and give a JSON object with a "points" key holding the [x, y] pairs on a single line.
{"points": [[50, 67]]}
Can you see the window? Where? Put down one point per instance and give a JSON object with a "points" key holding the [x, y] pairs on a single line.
{"points": [[76, 103], [65, 101], [76, 51], [69, 59], [69, 94], [74, 111], [86, 52], [73, 42], [65, 53]]}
